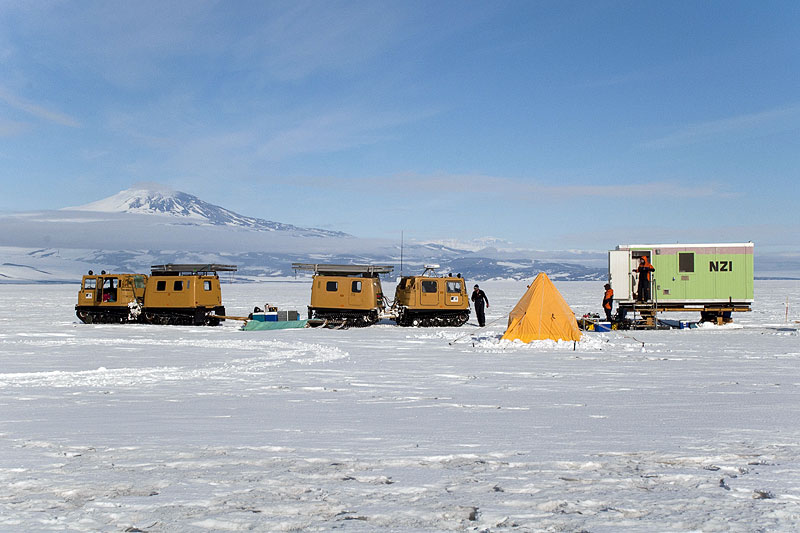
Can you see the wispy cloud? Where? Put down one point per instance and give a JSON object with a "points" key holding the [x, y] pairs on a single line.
{"points": [[10, 128], [36, 110], [302, 38], [125, 44], [627, 78], [661, 189], [335, 131], [779, 119], [520, 188]]}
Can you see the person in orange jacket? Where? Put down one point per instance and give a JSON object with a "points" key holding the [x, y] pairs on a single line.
{"points": [[608, 301], [645, 269]]}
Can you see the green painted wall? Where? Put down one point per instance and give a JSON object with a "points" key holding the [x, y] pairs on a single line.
{"points": [[705, 274]]}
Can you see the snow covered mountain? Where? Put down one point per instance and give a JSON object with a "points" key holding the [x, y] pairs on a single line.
{"points": [[155, 199], [150, 224]]}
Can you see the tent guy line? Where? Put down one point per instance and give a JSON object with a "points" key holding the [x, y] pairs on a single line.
{"points": [[493, 322]]}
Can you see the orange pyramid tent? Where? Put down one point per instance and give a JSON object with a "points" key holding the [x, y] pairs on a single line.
{"points": [[542, 313]]}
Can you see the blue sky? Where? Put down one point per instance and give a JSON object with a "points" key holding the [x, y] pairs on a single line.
{"points": [[543, 124]]}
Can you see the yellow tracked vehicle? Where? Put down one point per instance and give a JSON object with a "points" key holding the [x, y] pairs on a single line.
{"points": [[430, 300], [111, 298], [179, 294], [348, 295]]}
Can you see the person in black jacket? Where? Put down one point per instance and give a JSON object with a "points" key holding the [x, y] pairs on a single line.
{"points": [[478, 298]]}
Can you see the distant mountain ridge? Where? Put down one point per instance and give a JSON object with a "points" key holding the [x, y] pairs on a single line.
{"points": [[60, 265], [150, 224], [154, 199]]}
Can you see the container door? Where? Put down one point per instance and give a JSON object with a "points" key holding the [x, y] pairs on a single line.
{"points": [[687, 264], [619, 273]]}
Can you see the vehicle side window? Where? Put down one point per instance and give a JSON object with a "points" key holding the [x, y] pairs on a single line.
{"points": [[454, 286], [138, 282], [161, 285], [686, 262], [429, 286], [177, 286], [206, 285], [356, 286], [90, 283], [332, 286]]}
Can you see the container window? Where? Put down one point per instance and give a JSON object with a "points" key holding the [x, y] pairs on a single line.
{"points": [[90, 283], [686, 262], [161, 285], [454, 286], [429, 286], [356, 286], [177, 286], [206, 285], [332, 286]]}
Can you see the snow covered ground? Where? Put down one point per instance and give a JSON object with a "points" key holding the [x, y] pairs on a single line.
{"points": [[156, 428]]}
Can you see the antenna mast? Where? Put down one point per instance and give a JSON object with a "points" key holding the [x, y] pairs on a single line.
{"points": [[401, 253]]}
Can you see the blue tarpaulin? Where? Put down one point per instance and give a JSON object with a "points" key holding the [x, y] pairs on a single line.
{"points": [[255, 325]]}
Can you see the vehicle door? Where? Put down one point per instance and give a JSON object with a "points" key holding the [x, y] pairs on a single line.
{"points": [[109, 290], [453, 293], [355, 298], [139, 286], [89, 293], [429, 293]]}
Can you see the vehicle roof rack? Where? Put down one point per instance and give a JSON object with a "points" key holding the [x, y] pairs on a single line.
{"points": [[343, 270], [191, 268]]}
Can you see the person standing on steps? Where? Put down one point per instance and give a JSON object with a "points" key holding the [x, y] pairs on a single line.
{"points": [[478, 298], [645, 270]]}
